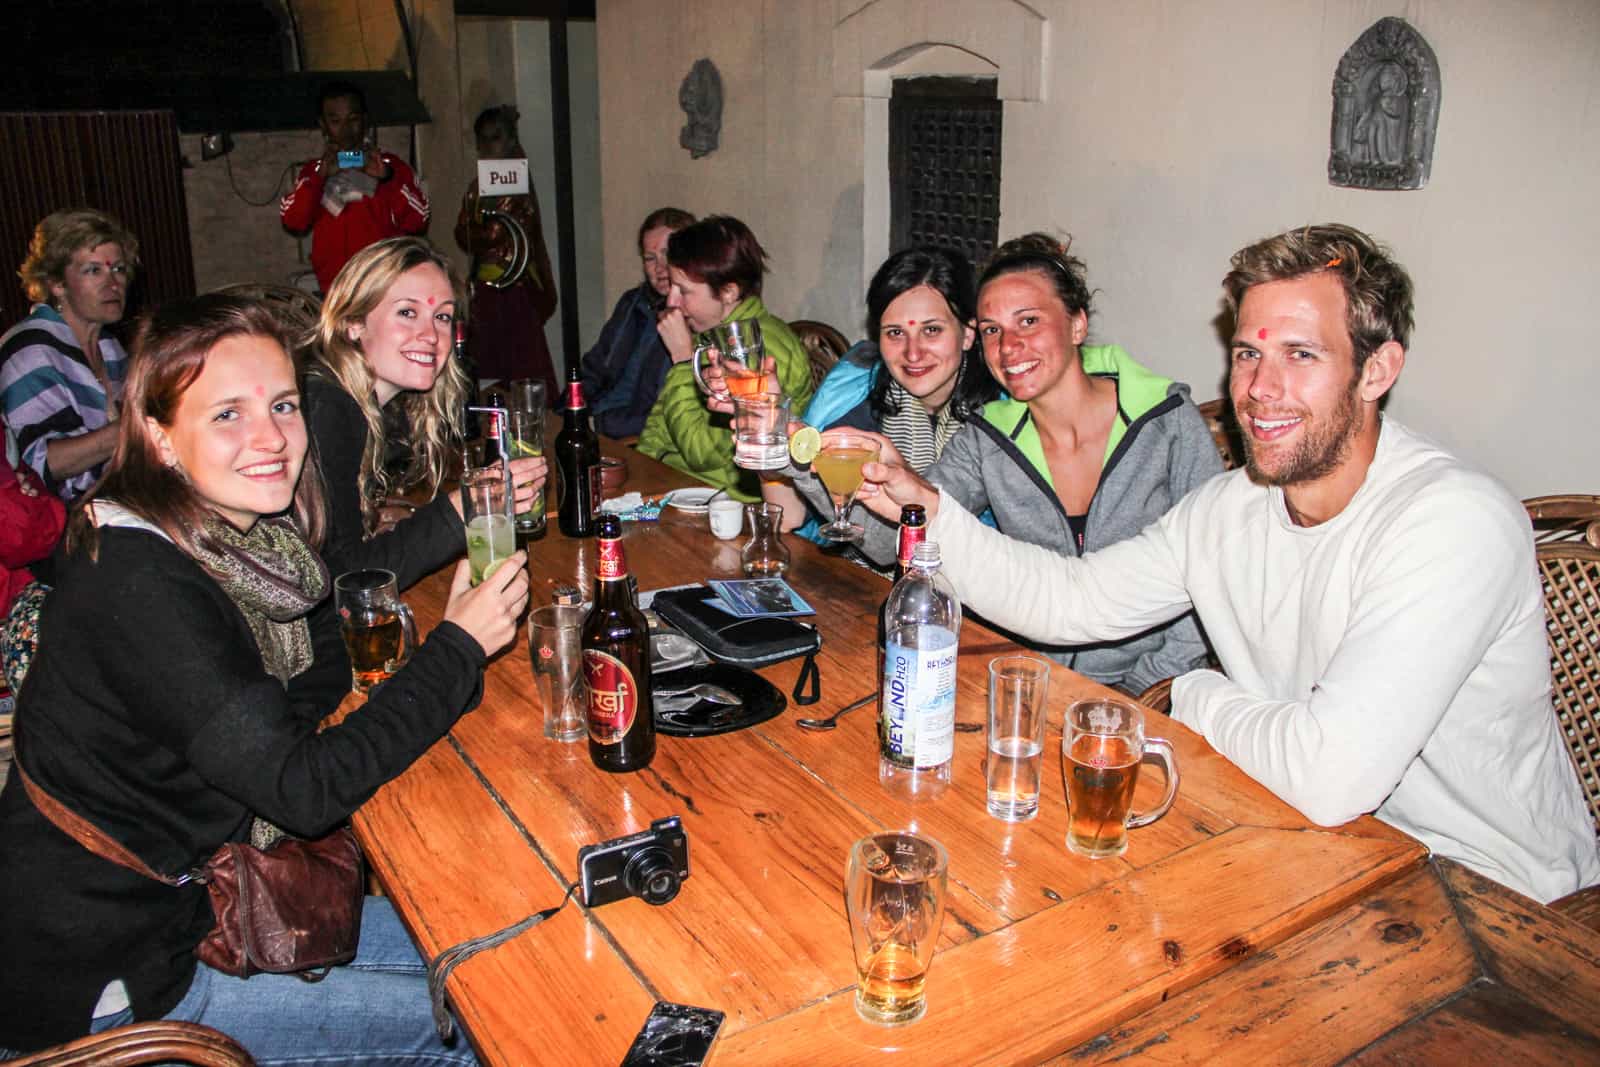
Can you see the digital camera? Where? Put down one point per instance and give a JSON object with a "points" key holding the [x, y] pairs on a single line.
{"points": [[651, 864], [350, 158]]}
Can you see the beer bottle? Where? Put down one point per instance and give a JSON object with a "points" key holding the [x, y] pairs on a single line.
{"points": [[494, 433], [913, 530], [577, 463], [616, 663]]}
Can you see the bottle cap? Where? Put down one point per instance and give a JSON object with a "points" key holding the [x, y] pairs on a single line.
{"points": [[566, 594], [926, 552]]}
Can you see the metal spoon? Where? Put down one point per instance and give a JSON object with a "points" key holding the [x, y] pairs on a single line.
{"points": [[833, 720]]}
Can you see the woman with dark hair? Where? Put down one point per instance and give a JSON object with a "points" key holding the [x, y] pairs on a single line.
{"points": [[184, 668], [507, 339], [917, 378], [624, 371], [1086, 449], [715, 269], [384, 340]]}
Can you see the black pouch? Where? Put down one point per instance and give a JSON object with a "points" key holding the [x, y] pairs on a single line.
{"points": [[752, 642]]}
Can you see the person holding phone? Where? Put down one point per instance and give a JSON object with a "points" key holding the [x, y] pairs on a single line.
{"points": [[354, 194]]}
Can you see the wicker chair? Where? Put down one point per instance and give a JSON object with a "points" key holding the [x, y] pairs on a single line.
{"points": [[1225, 432], [1565, 517], [1158, 697], [153, 1042], [823, 344], [1570, 574]]}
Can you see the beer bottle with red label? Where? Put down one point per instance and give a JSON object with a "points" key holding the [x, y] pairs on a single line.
{"points": [[616, 663], [913, 531], [577, 452]]}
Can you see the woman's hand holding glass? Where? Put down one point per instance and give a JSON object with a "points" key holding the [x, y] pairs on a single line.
{"points": [[527, 476], [716, 378], [489, 611]]}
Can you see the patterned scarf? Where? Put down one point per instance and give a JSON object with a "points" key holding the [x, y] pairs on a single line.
{"points": [[919, 437], [275, 579]]}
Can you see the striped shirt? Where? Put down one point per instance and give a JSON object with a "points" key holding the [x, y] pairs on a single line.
{"points": [[48, 390]]}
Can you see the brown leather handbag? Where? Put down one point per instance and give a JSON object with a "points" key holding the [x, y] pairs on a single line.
{"points": [[288, 909]]}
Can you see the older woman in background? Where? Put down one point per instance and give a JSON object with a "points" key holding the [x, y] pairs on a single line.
{"points": [[60, 373], [624, 371], [715, 269]]}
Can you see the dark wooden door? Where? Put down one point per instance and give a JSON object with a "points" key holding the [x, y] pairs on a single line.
{"points": [[944, 165]]}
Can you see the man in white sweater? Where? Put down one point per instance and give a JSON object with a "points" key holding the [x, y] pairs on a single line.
{"points": [[1373, 600]]}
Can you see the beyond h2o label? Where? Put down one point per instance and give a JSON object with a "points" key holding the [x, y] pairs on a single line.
{"points": [[613, 697], [919, 697]]}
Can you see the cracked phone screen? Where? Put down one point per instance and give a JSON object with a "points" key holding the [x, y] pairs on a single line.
{"points": [[675, 1035]]}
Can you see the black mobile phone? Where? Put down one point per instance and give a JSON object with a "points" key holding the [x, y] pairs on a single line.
{"points": [[674, 1035]]}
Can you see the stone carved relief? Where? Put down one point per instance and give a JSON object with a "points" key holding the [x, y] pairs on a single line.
{"points": [[1385, 110], [700, 96]]}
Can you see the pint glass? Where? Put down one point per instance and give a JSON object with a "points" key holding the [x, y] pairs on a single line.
{"points": [[894, 893], [1102, 746]]}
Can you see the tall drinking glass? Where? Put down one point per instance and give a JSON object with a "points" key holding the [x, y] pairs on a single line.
{"points": [[554, 646], [1017, 689], [839, 466], [761, 431], [486, 504], [895, 887], [527, 439], [379, 632], [1102, 746]]}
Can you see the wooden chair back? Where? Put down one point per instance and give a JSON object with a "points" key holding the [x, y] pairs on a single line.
{"points": [[1224, 431], [152, 1042], [1570, 574], [1564, 517], [824, 345]]}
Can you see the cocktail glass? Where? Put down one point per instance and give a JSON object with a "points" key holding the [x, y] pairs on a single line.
{"points": [[839, 466]]}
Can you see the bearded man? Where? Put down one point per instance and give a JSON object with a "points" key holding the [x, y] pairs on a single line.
{"points": [[1372, 599]]}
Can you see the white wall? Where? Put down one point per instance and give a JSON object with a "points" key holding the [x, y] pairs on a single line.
{"points": [[1170, 134]]}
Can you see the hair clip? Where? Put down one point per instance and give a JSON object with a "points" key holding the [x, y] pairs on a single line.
{"points": [[1335, 261]]}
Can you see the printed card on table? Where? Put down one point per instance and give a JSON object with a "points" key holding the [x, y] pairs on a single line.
{"points": [[749, 597]]}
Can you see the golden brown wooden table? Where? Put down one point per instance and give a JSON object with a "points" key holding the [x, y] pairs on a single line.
{"points": [[1041, 951]]}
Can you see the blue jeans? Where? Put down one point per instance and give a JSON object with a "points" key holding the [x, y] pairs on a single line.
{"points": [[373, 1010]]}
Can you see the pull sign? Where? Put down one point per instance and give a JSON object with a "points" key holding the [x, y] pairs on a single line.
{"points": [[502, 177]]}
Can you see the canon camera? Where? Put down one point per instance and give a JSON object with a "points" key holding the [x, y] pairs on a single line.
{"points": [[651, 864]]}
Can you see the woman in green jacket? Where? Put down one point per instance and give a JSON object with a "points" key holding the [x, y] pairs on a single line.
{"points": [[715, 269]]}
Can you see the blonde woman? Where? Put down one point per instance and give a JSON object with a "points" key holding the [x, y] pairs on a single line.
{"points": [[384, 342]]}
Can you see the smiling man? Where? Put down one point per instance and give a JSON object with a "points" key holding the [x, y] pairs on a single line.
{"points": [[1372, 599]]}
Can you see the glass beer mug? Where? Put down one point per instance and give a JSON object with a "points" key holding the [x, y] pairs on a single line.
{"points": [[739, 349], [379, 632], [1102, 747]]}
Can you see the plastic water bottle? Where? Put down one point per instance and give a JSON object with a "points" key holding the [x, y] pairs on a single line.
{"points": [[917, 702]]}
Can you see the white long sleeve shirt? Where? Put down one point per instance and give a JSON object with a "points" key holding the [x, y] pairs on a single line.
{"points": [[1390, 660]]}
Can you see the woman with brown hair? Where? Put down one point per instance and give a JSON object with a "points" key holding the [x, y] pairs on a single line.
{"points": [[184, 667], [384, 340]]}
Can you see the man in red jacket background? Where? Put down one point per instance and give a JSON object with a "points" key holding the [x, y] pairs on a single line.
{"points": [[354, 194]]}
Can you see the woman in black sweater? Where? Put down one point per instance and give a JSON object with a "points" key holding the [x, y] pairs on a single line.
{"points": [[186, 657], [384, 340]]}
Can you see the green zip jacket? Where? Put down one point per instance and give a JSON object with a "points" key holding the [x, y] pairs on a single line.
{"points": [[683, 433]]}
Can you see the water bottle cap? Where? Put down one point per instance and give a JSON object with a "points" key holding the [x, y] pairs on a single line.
{"points": [[926, 552]]}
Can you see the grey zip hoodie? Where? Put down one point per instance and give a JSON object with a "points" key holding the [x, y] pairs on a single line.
{"points": [[1159, 450]]}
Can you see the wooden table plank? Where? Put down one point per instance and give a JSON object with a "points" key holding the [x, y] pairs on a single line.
{"points": [[1064, 974]]}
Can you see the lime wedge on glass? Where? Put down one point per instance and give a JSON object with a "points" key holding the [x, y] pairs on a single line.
{"points": [[805, 445]]}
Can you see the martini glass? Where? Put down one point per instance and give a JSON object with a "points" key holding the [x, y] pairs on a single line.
{"points": [[839, 466]]}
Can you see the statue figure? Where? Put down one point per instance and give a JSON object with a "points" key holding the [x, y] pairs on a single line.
{"points": [[700, 96], [1385, 110]]}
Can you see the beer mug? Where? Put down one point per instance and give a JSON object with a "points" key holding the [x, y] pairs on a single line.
{"points": [[739, 349], [1102, 746], [378, 629], [895, 888]]}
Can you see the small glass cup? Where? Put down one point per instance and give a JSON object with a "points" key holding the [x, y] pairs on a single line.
{"points": [[486, 504], [765, 555], [1102, 746], [761, 431], [895, 887], [379, 632], [1017, 689], [554, 647]]}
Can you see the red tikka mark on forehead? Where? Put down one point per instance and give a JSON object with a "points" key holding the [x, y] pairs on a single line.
{"points": [[432, 300], [261, 391], [1261, 334]]}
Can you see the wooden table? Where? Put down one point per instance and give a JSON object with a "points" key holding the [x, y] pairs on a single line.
{"points": [[1042, 952]]}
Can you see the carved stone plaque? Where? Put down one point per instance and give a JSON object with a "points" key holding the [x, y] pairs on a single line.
{"points": [[700, 96], [1385, 110]]}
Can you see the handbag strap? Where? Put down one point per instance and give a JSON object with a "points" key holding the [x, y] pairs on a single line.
{"points": [[87, 833]]}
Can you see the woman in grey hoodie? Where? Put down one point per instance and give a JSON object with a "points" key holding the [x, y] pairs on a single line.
{"points": [[1087, 448]]}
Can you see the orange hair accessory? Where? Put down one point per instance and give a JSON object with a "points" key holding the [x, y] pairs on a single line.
{"points": [[1335, 261]]}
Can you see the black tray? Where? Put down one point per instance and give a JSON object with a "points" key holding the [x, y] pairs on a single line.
{"points": [[762, 701]]}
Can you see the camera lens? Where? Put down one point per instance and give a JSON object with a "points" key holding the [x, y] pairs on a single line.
{"points": [[651, 875]]}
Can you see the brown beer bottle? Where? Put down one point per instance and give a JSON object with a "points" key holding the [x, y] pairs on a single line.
{"points": [[616, 663], [577, 454]]}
